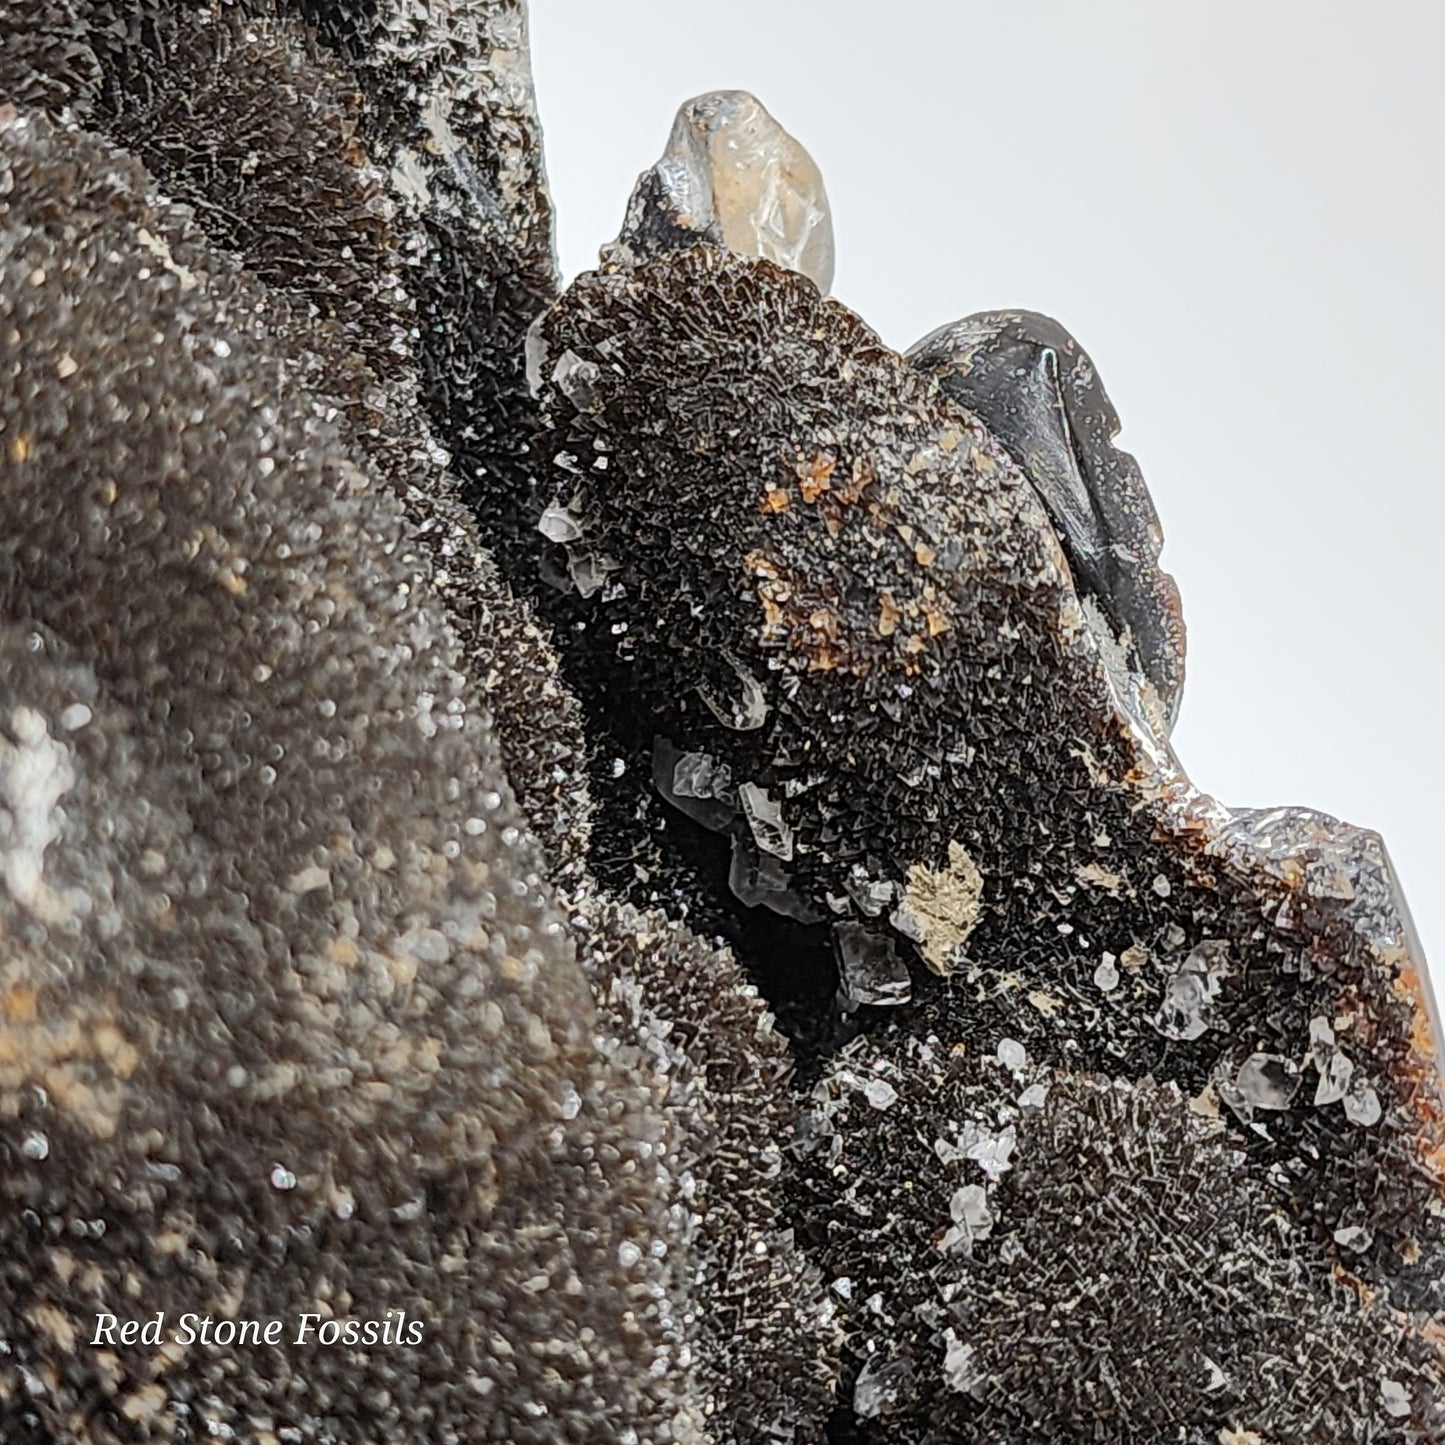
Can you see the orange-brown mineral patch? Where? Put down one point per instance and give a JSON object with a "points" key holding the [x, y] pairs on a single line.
{"points": [[835, 504], [861, 476], [889, 615], [81, 1058], [775, 499], [823, 482], [20, 1005], [933, 614], [803, 616], [815, 475]]}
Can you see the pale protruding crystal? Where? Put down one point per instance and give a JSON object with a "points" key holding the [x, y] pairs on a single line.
{"points": [[1396, 1398], [1012, 1055], [1362, 1105], [731, 174], [765, 817], [869, 968], [1267, 1081], [973, 1219]]}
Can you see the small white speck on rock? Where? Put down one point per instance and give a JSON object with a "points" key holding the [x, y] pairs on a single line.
{"points": [[1395, 1398], [1012, 1055]]}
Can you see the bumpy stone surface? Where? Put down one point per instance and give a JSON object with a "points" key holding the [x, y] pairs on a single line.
{"points": [[325, 298], [383, 159], [1057, 1256], [1094, 1111], [859, 562], [762, 1330], [336, 201], [827, 585], [286, 998]]}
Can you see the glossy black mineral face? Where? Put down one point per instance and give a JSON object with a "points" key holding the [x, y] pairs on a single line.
{"points": [[1040, 395], [634, 826]]}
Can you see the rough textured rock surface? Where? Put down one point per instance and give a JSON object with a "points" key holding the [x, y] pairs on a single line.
{"points": [[341, 202], [321, 268], [825, 584], [289, 1005], [764, 1337], [345, 960]]}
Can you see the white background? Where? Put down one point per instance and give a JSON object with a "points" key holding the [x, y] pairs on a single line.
{"points": [[1237, 209]]}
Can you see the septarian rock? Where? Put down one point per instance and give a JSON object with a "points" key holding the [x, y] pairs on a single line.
{"points": [[894, 629], [799, 517], [288, 998], [788, 495], [733, 176]]}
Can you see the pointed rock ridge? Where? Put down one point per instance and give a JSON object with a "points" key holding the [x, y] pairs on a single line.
{"points": [[733, 176], [1035, 388]]}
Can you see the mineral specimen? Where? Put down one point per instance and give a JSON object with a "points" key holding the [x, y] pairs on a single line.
{"points": [[1033, 386], [733, 176], [291, 1014], [941, 717], [283, 988], [362, 946]]}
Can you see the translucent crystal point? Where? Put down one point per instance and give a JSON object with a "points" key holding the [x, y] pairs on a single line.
{"points": [[732, 175], [869, 968], [883, 1385]]}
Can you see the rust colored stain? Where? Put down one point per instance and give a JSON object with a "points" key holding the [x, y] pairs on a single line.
{"points": [[804, 617], [889, 615], [775, 499], [815, 475]]}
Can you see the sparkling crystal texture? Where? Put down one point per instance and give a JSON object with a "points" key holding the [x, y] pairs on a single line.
{"points": [[633, 825]]}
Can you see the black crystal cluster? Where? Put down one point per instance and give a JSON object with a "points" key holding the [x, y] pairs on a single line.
{"points": [[634, 825]]}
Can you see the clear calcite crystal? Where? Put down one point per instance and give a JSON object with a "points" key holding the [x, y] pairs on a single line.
{"points": [[732, 175], [869, 968]]}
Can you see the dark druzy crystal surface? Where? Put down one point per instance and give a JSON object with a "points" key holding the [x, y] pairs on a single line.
{"points": [[636, 826]]}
